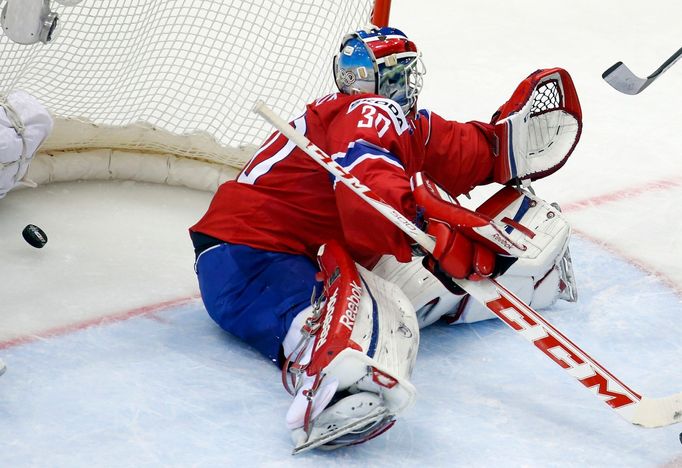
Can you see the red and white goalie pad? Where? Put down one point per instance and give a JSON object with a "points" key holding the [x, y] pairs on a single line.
{"points": [[541, 275], [350, 370], [538, 128], [532, 223]]}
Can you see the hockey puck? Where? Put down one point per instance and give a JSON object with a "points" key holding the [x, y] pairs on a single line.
{"points": [[34, 236]]}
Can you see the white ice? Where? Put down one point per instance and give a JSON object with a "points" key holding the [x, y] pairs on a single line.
{"points": [[112, 360]]}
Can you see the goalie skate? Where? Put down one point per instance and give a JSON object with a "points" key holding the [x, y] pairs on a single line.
{"points": [[354, 414], [3, 368], [569, 288]]}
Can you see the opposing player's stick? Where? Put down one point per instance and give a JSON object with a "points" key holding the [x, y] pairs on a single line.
{"points": [[622, 79], [640, 410]]}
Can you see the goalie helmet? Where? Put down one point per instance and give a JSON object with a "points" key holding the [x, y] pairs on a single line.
{"points": [[380, 61]]}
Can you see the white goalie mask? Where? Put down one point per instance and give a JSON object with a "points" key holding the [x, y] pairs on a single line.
{"points": [[380, 61]]}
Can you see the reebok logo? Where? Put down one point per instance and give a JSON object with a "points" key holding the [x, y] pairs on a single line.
{"points": [[353, 304]]}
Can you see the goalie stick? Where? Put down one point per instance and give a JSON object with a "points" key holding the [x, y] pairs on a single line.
{"points": [[622, 79], [635, 408]]}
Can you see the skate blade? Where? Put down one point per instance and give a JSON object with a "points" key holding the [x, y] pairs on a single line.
{"points": [[375, 415], [570, 292]]}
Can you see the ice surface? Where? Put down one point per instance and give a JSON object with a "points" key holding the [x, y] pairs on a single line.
{"points": [[112, 360], [170, 389]]}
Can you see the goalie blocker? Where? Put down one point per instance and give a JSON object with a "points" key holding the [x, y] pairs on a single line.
{"points": [[349, 357]]}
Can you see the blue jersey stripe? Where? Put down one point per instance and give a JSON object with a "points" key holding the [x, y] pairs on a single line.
{"points": [[363, 150], [360, 151]]}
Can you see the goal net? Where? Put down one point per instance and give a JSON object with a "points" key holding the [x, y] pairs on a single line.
{"points": [[180, 77]]}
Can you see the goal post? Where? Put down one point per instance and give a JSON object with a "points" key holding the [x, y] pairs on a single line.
{"points": [[381, 12], [176, 80]]}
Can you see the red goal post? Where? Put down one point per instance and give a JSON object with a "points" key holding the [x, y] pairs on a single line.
{"points": [[381, 12], [162, 90]]}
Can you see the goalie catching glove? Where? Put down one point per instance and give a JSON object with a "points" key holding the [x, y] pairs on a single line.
{"points": [[537, 128], [468, 244]]}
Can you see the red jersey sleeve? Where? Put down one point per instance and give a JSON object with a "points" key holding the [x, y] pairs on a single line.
{"points": [[371, 141], [458, 156]]}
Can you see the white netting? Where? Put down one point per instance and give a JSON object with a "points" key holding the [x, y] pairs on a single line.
{"points": [[180, 76]]}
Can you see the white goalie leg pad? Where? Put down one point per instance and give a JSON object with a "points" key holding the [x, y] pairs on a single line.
{"points": [[430, 299], [543, 275], [364, 343], [531, 222]]}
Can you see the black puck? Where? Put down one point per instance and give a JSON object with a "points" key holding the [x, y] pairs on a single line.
{"points": [[34, 236]]}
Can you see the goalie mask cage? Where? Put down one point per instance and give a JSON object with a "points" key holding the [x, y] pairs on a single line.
{"points": [[176, 81]]}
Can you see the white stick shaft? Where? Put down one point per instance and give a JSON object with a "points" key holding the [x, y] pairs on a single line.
{"points": [[510, 309]]}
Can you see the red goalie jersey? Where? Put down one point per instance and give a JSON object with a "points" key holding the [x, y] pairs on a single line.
{"points": [[283, 201]]}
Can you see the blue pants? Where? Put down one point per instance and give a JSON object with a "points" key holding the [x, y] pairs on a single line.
{"points": [[255, 294]]}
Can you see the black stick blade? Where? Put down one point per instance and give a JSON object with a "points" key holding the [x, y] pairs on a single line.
{"points": [[621, 78]]}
